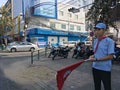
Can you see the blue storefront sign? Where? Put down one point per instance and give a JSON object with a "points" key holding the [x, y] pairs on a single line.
{"points": [[43, 34], [47, 32]]}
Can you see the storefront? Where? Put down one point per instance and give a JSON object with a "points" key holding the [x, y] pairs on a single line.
{"points": [[43, 37]]}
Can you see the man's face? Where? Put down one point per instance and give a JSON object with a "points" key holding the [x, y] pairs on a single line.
{"points": [[98, 32]]}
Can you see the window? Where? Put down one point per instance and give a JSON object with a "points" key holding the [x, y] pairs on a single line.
{"points": [[71, 27], [61, 13], [76, 17], [63, 26], [52, 24], [78, 28]]}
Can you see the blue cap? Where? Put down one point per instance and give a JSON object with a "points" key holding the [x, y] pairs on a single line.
{"points": [[101, 26]]}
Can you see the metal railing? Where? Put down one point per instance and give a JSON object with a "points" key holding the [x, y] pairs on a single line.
{"points": [[36, 55]]}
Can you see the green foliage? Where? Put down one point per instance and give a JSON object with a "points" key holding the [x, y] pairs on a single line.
{"points": [[101, 10], [6, 22]]}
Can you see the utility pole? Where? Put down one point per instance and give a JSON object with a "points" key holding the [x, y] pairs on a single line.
{"points": [[19, 24]]}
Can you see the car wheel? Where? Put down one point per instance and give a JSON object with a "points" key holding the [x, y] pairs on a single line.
{"points": [[13, 50], [32, 49]]}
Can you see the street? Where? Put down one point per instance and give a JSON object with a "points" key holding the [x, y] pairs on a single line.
{"points": [[17, 73]]}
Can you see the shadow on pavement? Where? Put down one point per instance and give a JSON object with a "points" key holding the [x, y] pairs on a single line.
{"points": [[7, 84]]}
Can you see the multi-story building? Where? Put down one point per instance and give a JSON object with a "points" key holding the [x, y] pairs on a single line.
{"points": [[48, 21], [67, 26]]}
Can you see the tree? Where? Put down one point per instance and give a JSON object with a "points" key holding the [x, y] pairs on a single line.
{"points": [[101, 10], [6, 22]]}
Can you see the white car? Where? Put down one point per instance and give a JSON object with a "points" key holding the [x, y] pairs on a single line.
{"points": [[22, 46], [69, 43], [88, 43]]}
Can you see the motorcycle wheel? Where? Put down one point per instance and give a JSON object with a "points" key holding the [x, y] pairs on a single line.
{"points": [[49, 55], [65, 56], [53, 58]]}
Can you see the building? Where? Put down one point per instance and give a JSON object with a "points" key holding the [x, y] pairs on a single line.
{"points": [[66, 26], [15, 11], [47, 22]]}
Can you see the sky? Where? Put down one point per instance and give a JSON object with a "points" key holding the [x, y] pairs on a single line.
{"points": [[2, 2]]}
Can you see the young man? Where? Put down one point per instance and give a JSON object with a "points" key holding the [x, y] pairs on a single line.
{"points": [[103, 53]]}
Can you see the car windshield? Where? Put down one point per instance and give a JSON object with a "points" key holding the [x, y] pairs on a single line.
{"points": [[13, 43]]}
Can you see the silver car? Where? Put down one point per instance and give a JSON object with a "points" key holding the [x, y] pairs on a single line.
{"points": [[22, 46]]}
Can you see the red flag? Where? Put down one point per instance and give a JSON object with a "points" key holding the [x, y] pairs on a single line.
{"points": [[63, 73]]}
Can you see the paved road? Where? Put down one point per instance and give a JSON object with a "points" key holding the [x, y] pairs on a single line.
{"points": [[6, 59], [16, 73]]}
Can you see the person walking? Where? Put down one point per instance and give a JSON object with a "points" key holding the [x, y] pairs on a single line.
{"points": [[103, 54]]}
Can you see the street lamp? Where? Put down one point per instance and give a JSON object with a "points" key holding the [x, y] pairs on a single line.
{"points": [[75, 10], [19, 23]]}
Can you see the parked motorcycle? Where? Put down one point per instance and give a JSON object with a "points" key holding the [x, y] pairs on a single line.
{"points": [[80, 53], [84, 52], [117, 54], [62, 52], [52, 52]]}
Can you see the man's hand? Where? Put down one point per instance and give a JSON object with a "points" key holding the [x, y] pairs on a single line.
{"points": [[92, 58]]}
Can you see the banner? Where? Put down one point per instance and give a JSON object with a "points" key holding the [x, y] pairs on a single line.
{"points": [[63, 73]]}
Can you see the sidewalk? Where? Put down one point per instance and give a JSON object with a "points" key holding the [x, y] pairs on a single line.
{"points": [[42, 74]]}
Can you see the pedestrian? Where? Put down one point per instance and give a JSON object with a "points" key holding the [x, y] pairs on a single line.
{"points": [[103, 54]]}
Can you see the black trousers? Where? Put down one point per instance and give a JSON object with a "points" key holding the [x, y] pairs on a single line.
{"points": [[102, 76]]}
